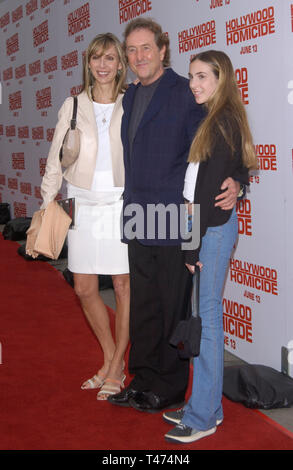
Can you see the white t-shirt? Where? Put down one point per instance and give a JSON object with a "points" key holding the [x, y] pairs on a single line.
{"points": [[103, 176], [190, 181]]}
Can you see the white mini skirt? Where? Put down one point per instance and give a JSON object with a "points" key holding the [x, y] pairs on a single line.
{"points": [[94, 243]]}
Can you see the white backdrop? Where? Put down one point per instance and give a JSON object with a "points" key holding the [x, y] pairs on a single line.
{"points": [[42, 42]]}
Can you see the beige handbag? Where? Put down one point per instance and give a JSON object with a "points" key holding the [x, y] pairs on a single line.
{"points": [[71, 143], [47, 232]]}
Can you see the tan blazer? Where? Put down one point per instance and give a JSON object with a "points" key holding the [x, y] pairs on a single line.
{"points": [[81, 172]]}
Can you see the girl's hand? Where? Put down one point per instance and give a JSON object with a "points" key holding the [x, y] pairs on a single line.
{"points": [[200, 265], [191, 268]]}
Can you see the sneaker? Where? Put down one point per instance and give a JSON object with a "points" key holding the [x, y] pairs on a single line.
{"points": [[174, 416], [183, 434], [177, 415]]}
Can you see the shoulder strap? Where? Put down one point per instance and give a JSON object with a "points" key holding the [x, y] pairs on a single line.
{"points": [[74, 112], [195, 292]]}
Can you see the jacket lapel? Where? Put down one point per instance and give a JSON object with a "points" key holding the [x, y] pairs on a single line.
{"points": [[161, 96], [127, 107], [86, 111], [116, 109]]}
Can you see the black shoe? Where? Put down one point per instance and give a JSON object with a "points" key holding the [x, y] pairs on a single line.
{"points": [[152, 403], [122, 398]]}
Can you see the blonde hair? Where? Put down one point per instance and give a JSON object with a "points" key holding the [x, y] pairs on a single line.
{"points": [[101, 43], [226, 113]]}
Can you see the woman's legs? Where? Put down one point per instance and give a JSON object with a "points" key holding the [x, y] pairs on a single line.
{"points": [[115, 378], [87, 288], [122, 296]]}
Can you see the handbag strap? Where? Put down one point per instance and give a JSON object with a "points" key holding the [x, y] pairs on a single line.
{"points": [[74, 112], [195, 292]]}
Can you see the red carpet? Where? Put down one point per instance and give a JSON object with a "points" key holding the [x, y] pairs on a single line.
{"points": [[47, 350]]}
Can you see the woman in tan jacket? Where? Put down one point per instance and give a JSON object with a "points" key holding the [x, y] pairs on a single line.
{"points": [[96, 181]]}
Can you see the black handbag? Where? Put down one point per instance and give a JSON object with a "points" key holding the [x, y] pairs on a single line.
{"points": [[69, 206], [4, 213], [187, 334], [15, 229], [258, 386]]}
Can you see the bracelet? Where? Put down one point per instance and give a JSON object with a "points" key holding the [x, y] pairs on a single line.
{"points": [[242, 191]]}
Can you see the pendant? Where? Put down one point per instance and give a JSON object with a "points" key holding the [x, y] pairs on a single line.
{"points": [[104, 120]]}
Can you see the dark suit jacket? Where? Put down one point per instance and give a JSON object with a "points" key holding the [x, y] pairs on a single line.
{"points": [[154, 172], [211, 174]]}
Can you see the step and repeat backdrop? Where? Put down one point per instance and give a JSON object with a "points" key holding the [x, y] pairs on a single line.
{"points": [[42, 47]]}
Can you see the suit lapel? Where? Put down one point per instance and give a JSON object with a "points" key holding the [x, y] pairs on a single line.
{"points": [[161, 94], [160, 97], [127, 107]]}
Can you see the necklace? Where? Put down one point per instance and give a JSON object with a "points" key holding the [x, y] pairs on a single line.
{"points": [[101, 111], [104, 120], [103, 114]]}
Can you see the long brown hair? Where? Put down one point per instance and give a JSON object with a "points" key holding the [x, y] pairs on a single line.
{"points": [[101, 43], [225, 113]]}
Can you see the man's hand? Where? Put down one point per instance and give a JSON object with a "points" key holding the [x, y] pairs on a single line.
{"points": [[228, 199]]}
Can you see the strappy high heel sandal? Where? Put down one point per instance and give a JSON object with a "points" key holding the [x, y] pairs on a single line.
{"points": [[97, 381], [111, 387]]}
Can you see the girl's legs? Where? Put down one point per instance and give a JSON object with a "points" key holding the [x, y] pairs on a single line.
{"points": [[204, 408]]}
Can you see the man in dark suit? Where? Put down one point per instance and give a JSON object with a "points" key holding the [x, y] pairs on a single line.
{"points": [[159, 122]]}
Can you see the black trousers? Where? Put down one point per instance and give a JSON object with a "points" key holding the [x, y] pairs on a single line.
{"points": [[160, 296]]}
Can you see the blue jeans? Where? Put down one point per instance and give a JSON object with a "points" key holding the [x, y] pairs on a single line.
{"points": [[204, 407]]}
